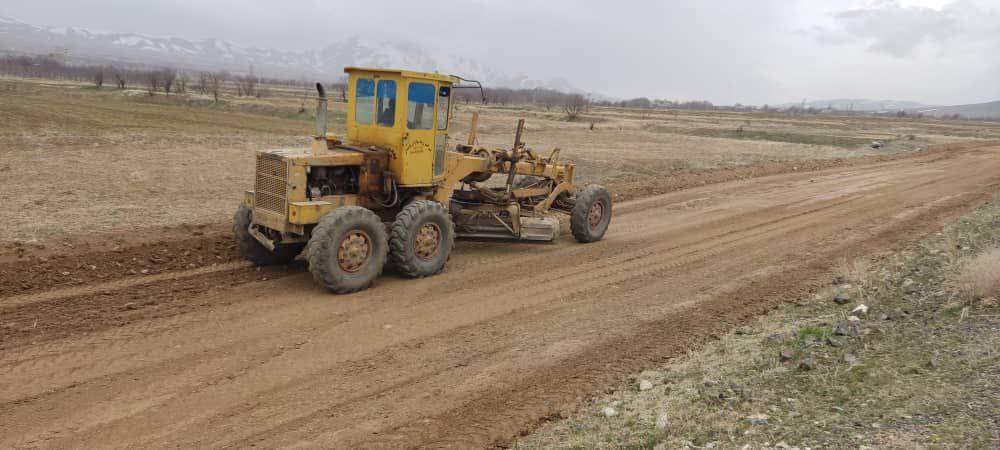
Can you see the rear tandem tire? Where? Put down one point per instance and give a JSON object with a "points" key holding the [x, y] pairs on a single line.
{"points": [[254, 251], [591, 214], [422, 239], [347, 249]]}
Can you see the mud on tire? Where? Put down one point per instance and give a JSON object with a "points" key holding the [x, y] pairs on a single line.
{"points": [[254, 251], [347, 249], [422, 239], [591, 214]]}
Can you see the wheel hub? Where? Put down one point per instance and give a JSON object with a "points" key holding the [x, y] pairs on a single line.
{"points": [[354, 251], [427, 241], [595, 215]]}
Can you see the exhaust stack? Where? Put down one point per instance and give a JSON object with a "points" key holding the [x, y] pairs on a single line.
{"points": [[321, 107]]}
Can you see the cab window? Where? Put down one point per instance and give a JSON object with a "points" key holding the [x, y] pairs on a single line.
{"points": [[420, 106], [444, 101], [364, 101], [386, 102]]}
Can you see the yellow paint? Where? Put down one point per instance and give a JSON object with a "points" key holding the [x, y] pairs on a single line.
{"points": [[306, 213], [412, 149], [284, 202]]}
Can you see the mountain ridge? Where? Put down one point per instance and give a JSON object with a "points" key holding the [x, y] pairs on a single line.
{"points": [[324, 63]]}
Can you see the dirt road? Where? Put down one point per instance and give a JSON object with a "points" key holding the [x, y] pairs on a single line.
{"points": [[218, 356]]}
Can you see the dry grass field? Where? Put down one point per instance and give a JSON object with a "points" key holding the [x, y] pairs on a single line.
{"points": [[77, 160], [129, 319]]}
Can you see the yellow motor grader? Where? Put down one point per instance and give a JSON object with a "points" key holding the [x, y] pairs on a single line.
{"points": [[392, 191]]}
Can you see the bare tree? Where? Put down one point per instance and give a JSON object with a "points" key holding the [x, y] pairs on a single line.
{"points": [[153, 81], [99, 77], [246, 85], [575, 105], [120, 79], [182, 82], [213, 83], [169, 78], [203, 82]]}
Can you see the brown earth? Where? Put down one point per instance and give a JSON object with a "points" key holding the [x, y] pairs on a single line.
{"points": [[202, 350]]}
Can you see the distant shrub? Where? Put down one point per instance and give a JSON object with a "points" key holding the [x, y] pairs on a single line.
{"points": [[980, 275]]}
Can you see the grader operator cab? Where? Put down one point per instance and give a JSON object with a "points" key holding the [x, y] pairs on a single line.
{"points": [[391, 191]]}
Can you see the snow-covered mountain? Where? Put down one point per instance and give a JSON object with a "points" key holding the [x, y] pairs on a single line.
{"points": [[326, 63], [859, 104]]}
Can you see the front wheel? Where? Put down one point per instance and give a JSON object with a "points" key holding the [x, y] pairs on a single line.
{"points": [[591, 214], [254, 251], [347, 249], [422, 239]]}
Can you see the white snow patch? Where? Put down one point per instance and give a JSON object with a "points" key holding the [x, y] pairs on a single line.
{"points": [[130, 41]]}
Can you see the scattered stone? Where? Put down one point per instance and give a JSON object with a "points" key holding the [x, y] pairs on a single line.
{"points": [[860, 309], [144, 271], [645, 385], [775, 338], [896, 314], [743, 331], [833, 342], [65, 274], [785, 355], [710, 383], [841, 298], [711, 445], [850, 358], [662, 422], [853, 319], [757, 419], [845, 329], [609, 411], [838, 280], [807, 363], [846, 287], [130, 306]]}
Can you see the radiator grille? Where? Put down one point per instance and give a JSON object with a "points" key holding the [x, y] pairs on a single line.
{"points": [[270, 185]]}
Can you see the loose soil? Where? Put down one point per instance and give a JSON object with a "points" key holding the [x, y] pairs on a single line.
{"points": [[511, 333]]}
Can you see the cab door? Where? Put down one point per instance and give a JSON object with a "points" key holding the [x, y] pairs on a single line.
{"points": [[419, 140], [441, 138]]}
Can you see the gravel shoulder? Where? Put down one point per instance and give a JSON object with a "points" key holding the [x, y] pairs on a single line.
{"points": [[898, 351]]}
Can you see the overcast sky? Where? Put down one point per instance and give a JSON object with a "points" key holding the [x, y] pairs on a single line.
{"points": [[761, 51]]}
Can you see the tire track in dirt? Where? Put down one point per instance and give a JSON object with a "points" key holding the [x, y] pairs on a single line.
{"points": [[278, 363], [642, 274], [638, 259]]}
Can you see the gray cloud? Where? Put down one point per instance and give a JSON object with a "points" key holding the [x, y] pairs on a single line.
{"points": [[765, 51], [890, 28]]}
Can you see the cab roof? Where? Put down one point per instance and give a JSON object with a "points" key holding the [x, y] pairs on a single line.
{"points": [[406, 74]]}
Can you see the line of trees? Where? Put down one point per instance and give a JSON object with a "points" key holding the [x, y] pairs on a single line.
{"points": [[165, 80], [216, 84]]}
